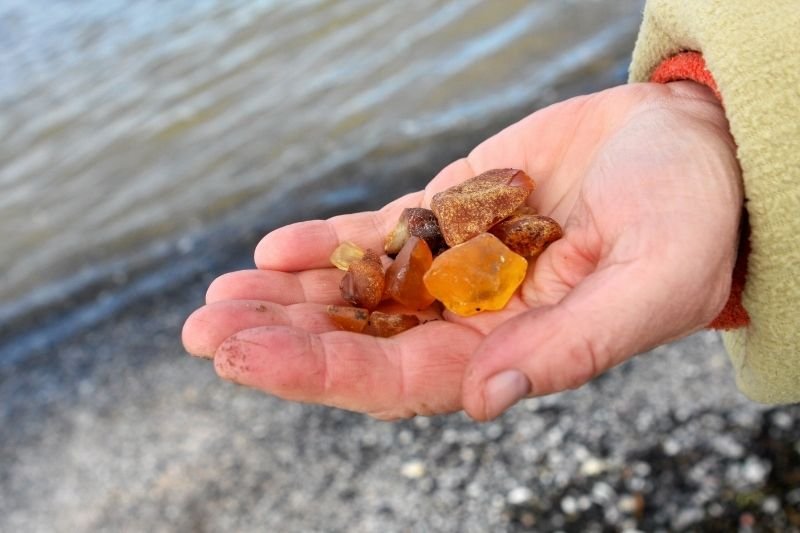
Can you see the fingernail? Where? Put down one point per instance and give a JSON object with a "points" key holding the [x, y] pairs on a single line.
{"points": [[504, 390]]}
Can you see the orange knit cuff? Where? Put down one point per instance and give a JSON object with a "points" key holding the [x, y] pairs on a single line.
{"points": [[691, 66]]}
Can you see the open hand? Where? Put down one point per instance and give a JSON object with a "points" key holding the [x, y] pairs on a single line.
{"points": [[644, 180]]}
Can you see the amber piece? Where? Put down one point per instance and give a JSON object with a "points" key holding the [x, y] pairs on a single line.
{"points": [[523, 210], [388, 324], [349, 318], [478, 275], [363, 283], [346, 253], [527, 235], [404, 277], [416, 222], [474, 206]]}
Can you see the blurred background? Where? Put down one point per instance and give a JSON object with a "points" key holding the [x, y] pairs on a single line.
{"points": [[147, 146]]}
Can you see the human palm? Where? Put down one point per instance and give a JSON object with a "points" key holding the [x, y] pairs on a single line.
{"points": [[645, 182]]}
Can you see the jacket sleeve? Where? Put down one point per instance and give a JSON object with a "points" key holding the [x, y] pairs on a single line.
{"points": [[751, 48]]}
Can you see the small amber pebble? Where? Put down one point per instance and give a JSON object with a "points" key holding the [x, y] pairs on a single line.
{"points": [[404, 277], [479, 275], [388, 324], [346, 253], [527, 235], [349, 318], [523, 210], [474, 206], [363, 283], [416, 222]]}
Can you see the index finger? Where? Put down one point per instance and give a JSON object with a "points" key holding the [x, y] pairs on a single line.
{"points": [[419, 371]]}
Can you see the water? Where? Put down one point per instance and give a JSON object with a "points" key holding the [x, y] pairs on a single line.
{"points": [[126, 127]]}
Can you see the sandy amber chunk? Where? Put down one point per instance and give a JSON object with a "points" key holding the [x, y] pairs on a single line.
{"points": [[416, 222], [527, 235], [479, 275], [349, 318], [346, 253], [388, 324], [474, 206], [363, 283], [404, 277]]}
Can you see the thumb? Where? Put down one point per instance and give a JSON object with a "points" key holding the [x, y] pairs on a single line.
{"points": [[610, 316]]}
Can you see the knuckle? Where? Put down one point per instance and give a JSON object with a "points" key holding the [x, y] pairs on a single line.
{"points": [[583, 360]]}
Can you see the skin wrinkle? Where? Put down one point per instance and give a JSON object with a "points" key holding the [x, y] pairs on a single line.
{"points": [[334, 232], [331, 358], [605, 246], [399, 357], [403, 411], [567, 148], [302, 287], [463, 321], [377, 226], [531, 164], [589, 354], [326, 375], [486, 415]]}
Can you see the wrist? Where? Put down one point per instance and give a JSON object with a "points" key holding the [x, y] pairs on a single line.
{"points": [[687, 73]]}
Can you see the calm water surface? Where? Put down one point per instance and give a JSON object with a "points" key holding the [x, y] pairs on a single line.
{"points": [[125, 124]]}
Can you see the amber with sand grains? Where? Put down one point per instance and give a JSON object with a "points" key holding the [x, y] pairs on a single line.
{"points": [[363, 284], [527, 235], [472, 207]]}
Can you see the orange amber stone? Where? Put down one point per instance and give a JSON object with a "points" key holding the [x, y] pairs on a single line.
{"points": [[527, 235], [388, 324], [404, 277], [344, 254], [477, 204], [479, 275], [363, 283], [349, 318]]}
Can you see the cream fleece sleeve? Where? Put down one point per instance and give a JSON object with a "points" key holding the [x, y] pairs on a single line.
{"points": [[752, 49]]}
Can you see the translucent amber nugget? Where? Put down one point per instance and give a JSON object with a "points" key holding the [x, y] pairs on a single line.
{"points": [[474, 206], [346, 253], [527, 235], [349, 318], [363, 284], [479, 275], [404, 277], [386, 324]]}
